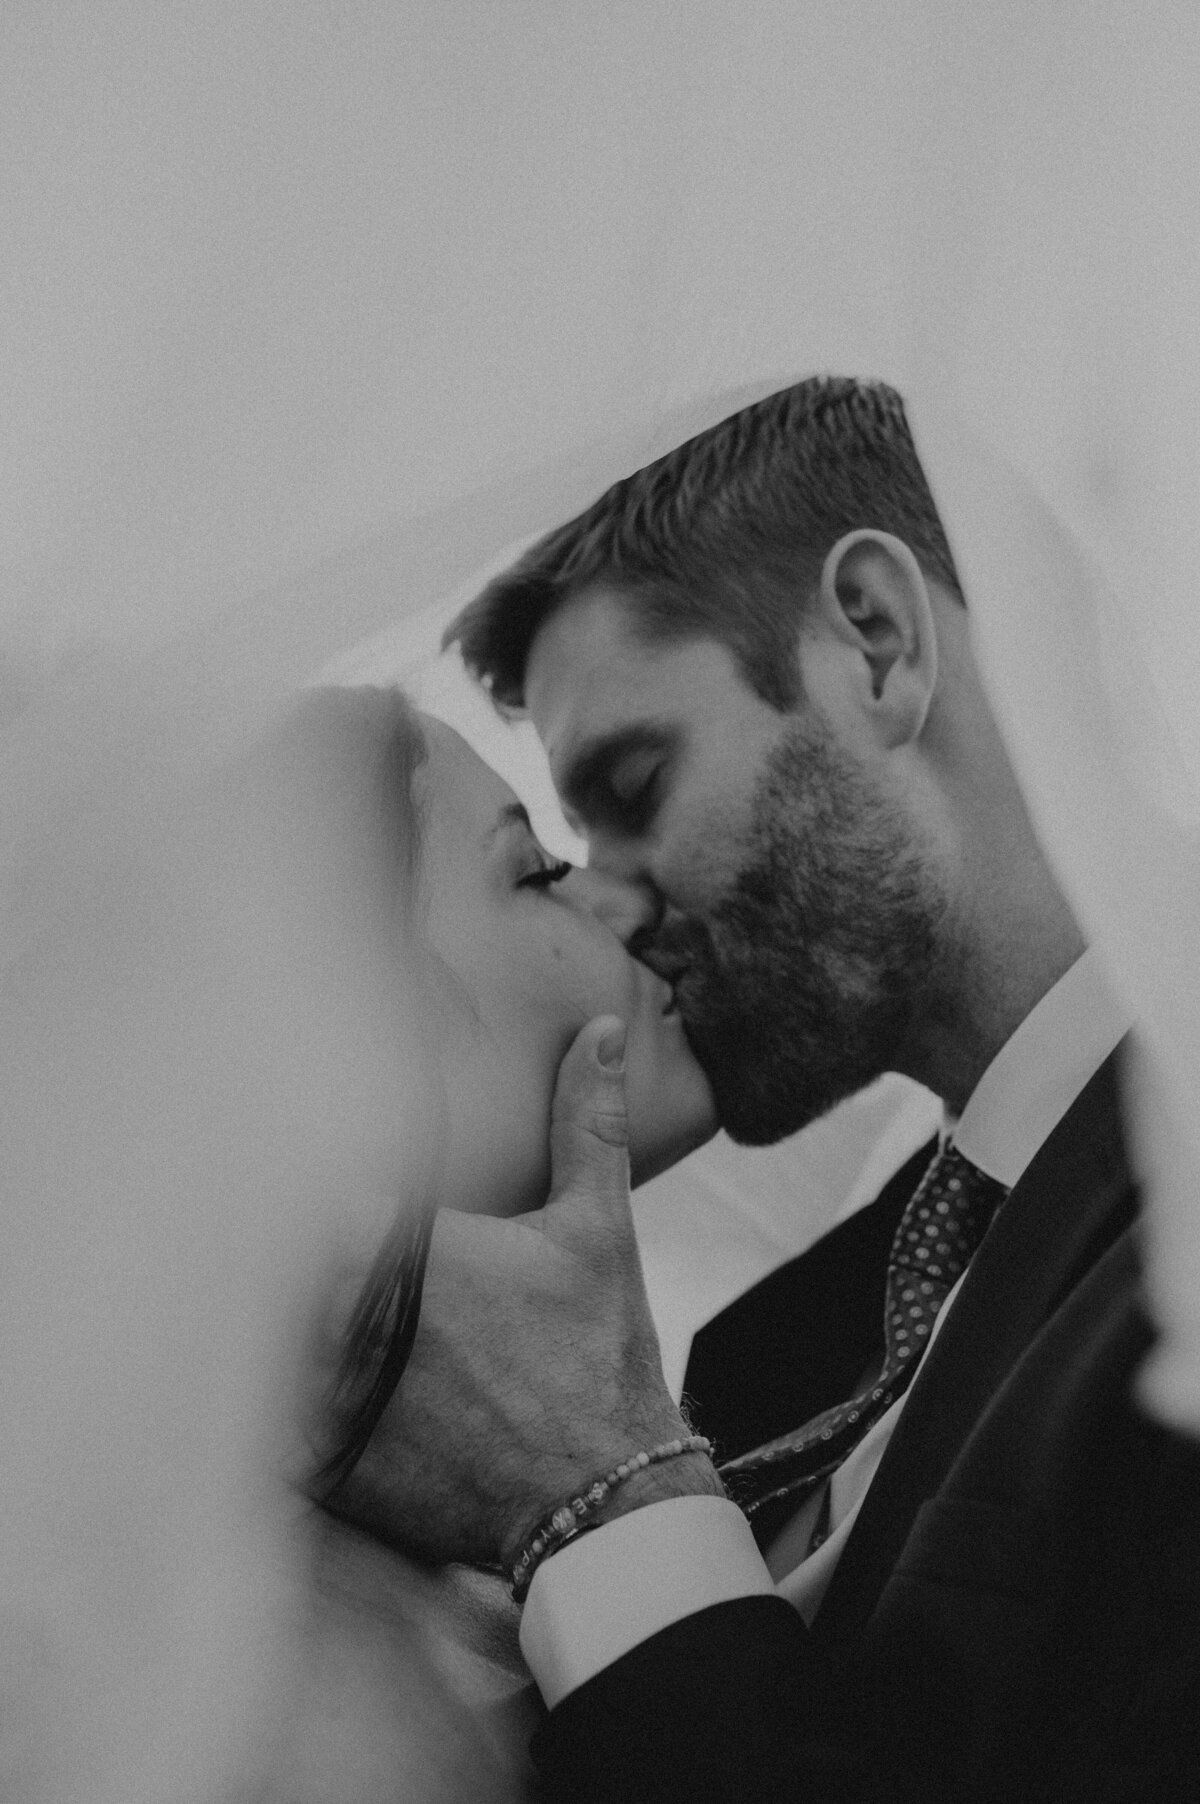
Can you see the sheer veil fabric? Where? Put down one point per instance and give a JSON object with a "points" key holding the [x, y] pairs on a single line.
{"points": [[1057, 412], [314, 311]]}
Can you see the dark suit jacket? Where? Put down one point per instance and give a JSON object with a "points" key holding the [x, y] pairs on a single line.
{"points": [[1016, 1614]]}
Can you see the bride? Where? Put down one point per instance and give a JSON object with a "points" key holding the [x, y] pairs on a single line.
{"points": [[414, 1685], [256, 1028]]}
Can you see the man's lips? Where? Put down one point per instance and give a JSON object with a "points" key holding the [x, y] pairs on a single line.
{"points": [[671, 963], [668, 967], [671, 990], [670, 971]]}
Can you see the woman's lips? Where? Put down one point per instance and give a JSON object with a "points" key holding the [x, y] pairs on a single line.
{"points": [[665, 992], [671, 1000], [666, 976]]}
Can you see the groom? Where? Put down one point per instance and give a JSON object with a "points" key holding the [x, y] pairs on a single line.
{"points": [[978, 1576]]}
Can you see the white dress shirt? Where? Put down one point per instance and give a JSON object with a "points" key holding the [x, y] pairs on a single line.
{"points": [[616, 1587]]}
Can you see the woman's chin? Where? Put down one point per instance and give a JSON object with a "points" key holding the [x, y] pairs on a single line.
{"points": [[650, 1157]]}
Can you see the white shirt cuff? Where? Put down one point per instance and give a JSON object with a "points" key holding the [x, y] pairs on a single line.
{"points": [[622, 1583]]}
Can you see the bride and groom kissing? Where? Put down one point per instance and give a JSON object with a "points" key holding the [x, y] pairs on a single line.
{"points": [[913, 1536]]}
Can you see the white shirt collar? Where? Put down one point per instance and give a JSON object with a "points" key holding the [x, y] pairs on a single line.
{"points": [[1040, 1070]]}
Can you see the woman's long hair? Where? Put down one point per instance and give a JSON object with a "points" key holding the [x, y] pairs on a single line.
{"points": [[356, 752], [376, 1347]]}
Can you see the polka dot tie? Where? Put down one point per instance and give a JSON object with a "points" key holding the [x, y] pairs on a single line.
{"points": [[939, 1231]]}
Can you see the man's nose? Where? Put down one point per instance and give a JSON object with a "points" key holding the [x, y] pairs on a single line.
{"points": [[627, 907]]}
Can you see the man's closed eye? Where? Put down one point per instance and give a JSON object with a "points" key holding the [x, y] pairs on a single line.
{"points": [[630, 794]]}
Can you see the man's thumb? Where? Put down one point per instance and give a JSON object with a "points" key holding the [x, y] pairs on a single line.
{"points": [[589, 1132]]}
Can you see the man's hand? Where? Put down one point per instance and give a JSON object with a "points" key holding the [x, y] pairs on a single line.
{"points": [[536, 1365]]}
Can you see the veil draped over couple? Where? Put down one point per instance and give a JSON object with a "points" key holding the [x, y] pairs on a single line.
{"points": [[340, 1462], [912, 1533]]}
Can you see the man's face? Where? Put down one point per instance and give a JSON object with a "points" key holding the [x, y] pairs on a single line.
{"points": [[797, 917]]}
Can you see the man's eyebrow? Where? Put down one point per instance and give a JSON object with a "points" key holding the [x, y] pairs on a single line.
{"points": [[588, 767]]}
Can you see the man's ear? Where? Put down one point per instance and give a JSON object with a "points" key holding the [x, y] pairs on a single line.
{"points": [[874, 598]]}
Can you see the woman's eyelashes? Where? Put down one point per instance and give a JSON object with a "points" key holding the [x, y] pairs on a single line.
{"points": [[544, 875]]}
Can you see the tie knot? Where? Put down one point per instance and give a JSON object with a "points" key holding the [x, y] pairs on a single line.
{"points": [[947, 1218]]}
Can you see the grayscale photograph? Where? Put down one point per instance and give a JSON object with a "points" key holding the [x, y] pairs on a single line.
{"points": [[600, 902]]}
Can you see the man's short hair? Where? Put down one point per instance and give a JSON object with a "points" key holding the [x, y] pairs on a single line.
{"points": [[725, 537]]}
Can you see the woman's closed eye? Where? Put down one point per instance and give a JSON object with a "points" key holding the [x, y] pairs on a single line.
{"points": [[544, 875]]}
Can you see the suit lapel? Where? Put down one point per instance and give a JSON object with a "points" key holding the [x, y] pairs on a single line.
{"points": [[1070, 1205]]}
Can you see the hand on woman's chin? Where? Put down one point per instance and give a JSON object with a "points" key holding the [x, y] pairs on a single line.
{"points": [[496, 1138]]}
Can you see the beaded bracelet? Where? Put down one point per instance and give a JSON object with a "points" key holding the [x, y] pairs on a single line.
{"points": [[570, 1519]]}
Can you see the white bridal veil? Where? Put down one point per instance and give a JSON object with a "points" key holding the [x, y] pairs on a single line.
{"points": [[313, 309]]}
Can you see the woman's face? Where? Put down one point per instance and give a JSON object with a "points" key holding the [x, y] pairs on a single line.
{"points": [[533, 952]]}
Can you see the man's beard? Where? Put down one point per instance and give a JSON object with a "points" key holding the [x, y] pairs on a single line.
{"points": [[801, 981]]}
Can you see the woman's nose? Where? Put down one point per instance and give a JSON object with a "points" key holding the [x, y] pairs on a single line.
{"points": [[626, 908]]}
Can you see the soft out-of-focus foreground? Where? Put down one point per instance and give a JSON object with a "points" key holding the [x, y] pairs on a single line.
{"points": [[311, 311], [212, 1087]]}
